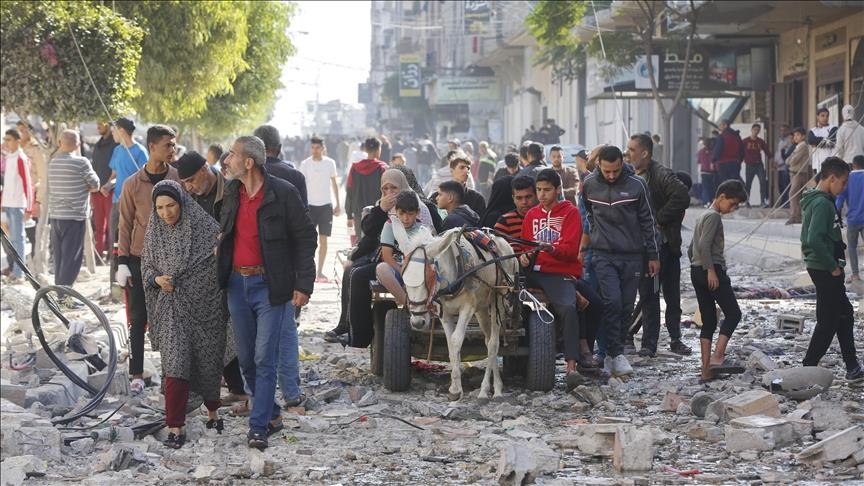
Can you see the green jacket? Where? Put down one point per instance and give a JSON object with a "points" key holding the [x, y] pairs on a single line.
{"points": [[819, 230]]}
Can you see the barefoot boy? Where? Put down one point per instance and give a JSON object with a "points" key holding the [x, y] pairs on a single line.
{"points": [[712, 285]]}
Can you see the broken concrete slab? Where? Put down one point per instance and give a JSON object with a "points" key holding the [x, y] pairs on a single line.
{"points": [[760, 433], [522, 462], [671, 401], [633, 450], [593, 439], [752, 402], [14, 470], [16, 394], [838, 447], [23, 433], [802, 383], [704, 431], [828, 416], [760, 361], [119, 384]]}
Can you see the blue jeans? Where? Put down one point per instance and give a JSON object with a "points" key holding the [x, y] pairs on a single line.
{"points": [[289, 357], [15, 219], [258, 328]]}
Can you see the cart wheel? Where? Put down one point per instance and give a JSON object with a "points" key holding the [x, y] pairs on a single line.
{"points": [[515, 365], [376, 351], [397, 350], [540, 369]]}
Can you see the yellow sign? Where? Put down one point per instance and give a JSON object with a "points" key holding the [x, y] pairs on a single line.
{"points": [[410, 77]]}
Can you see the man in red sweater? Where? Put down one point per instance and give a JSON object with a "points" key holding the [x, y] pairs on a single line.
{"points": [[754, 166], [557, 226]]}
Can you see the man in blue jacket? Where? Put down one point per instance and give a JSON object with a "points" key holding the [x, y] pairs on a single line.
{"points": [[266, 262], [853, 196], [623, 229]]}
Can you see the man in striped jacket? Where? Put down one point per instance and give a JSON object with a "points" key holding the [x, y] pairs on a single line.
{"points": [[71, 179]]}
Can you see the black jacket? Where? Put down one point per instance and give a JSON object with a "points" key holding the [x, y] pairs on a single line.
{"points": [[669, 199], [285, 171], [287, 235], [620, 214], [461, 216]]}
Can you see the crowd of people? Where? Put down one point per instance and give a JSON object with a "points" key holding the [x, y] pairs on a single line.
{"points": [[216, 253]]}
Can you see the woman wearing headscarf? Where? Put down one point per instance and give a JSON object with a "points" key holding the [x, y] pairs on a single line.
{"points": [[356, 316], [187, 318], [500, 202]]}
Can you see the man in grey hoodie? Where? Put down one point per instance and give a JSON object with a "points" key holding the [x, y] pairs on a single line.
{"points": [[622, 230]]}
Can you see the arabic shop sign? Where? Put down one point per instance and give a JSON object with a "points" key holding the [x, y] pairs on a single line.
{"points": [[450, 90], [710, 69]]}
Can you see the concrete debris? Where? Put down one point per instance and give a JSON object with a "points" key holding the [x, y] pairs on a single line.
{"points": [[760, 361], [522, 462], [671, 401], [634, 450], [801, 383], [753, 402], [14, 470], [847, 443], [259, 464], [760, 433], [828, 416], [590, 394]]}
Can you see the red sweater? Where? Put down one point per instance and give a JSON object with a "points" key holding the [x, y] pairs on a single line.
{"points": [[562, 227]]}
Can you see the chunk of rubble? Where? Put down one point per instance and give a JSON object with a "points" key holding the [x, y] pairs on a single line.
{"points": [[630, 447], [752, 402], [843, 444], [760, 433], [760, 361], [802, 383], [827, 415], [16, 469], [522, 462]]}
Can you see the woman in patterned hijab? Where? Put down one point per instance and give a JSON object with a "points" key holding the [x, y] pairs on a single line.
{"points": [[184, 304]]}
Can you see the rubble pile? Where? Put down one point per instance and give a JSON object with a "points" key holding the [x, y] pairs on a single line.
{"points": [[775, 423]]}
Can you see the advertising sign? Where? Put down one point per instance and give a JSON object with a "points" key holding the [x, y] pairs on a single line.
{"points": [[477, 15], [410, 78], [450, 90]]}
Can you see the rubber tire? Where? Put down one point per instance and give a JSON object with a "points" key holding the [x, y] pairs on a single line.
{"points": [[540, 369], [376, 354], [397, 350]]}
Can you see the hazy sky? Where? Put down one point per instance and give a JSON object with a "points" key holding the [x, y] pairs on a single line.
{"points": [[332, 43]]}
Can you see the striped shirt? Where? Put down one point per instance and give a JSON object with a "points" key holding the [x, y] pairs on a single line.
{"points": [[70, 178], [511, 225]]}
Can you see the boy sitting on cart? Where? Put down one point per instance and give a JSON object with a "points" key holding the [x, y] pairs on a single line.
{"points": [[389, 271]]}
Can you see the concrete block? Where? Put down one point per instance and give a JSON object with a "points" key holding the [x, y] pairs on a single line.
{"points": [[760, 433], [16, 469], [119, 385], [594, 439], [760, 361], [802, 383], [633, 450], [790, 323], [23, 433], [835, 448], [752, 402], [828, 416], [520, 463], [704, 431], [16, 394], [59, 391]]}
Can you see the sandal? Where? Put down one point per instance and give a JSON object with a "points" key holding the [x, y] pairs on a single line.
{"points": [[727, 368], [175, 441], [136, 386], [257, 440], [218, 424], [241, 409], [272, 429]]}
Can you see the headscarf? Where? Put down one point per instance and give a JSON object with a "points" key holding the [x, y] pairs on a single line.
{"points": [[184, 250], [398, 179], [411, 178], [500, 202]]}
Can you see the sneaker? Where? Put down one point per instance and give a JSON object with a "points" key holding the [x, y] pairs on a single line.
{"points": [[646, 353], [620, 366], [678, 347], [855, 375], [607, 365], [257, 440]]}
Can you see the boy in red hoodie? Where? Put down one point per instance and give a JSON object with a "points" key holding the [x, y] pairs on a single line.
{"points": [[557, 226]]}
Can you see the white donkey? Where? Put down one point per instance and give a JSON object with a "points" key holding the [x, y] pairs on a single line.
{"points": [[431, 265]]}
